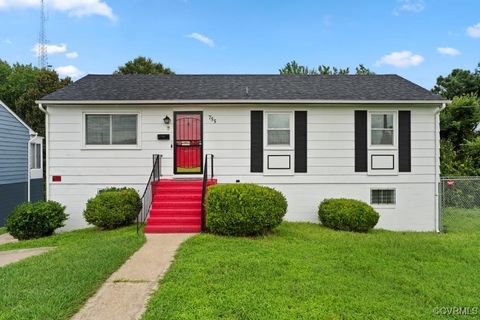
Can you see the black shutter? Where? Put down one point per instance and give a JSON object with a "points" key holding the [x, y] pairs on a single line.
{"points": [[300, 141], [361, 148], [404, 142], [256, 141]]}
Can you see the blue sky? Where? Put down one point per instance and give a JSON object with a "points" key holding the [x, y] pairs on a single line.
{"points": [[418, 39]]}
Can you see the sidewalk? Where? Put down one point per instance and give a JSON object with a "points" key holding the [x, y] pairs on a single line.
{"points": [[124, 295], [6, 238]]}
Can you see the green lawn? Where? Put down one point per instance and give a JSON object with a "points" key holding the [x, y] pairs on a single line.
{"points": [[305, 271], [3, 230], [56, 284], [461, 220]]}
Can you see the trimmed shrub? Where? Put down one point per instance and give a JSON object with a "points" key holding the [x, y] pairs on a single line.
{"points": [[348, 215], [244, 209], [113, 207], [36, 219]]}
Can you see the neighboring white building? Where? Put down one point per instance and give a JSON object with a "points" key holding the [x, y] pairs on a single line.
{"points": [[374, 138]]}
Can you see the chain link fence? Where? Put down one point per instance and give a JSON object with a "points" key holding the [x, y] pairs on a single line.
{"points": [[459, 204]]}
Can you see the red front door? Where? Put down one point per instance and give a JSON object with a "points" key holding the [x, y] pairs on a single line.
{"points": [[188, 142]]}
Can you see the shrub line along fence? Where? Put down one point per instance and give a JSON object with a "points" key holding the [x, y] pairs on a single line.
{"points": [[459, 203]]}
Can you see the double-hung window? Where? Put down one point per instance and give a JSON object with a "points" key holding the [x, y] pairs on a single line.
{"points": [[35, 156], [111, 129], [382, 130], [279, 129]]}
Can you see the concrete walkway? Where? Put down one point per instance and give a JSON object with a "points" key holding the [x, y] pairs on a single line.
{"points": [[11, 256], [124, 295], [6, 238]]}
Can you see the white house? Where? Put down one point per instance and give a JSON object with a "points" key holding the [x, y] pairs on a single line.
{"points": [[374, 138]]}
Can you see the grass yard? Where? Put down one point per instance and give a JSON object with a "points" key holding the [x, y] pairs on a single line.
{"points": [[305, 271], [56, 284], [3, 230], [461, 220]]}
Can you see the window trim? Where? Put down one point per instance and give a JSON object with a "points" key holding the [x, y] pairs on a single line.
{"points": [[393, 146], [291, 145], [33, 155], [86, 146], [384, 205]]}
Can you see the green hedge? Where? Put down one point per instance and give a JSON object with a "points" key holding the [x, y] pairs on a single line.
{"points": [[348, 215], [243, 209], [113, 207], [36, 219]]}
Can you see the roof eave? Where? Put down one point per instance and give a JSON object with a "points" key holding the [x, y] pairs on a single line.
{"points": [[242, 101]]}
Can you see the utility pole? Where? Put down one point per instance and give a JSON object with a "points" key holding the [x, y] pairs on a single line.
{"points": [[42, 39]]}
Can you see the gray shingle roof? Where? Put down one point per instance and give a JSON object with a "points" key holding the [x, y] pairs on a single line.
{"points": [[233, 87]]}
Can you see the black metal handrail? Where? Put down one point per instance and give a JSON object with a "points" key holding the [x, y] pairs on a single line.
{"points": [[147, 196], [205, 185]]}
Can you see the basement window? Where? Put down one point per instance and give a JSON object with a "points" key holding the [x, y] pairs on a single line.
{"points": [[382, 196]]}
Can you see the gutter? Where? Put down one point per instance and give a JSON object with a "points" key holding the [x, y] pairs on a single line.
{"points": [[47, 158], [238, 101], [437, 165]]}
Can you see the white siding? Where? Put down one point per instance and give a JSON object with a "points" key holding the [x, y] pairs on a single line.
{"points": [[330, 160]]}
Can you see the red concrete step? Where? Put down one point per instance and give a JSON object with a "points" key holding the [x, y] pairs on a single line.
{"points": [[177, 220], [177, 204], [173, 229], [187, 196], [182, 184], [162, 190], [163, 212]]}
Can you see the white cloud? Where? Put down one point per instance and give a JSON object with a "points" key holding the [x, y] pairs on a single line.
{"points": [[448, 51], [51, 48], [78, 8], [413, 6], [69, 71], [71, 55], [200, 37], [474, 31], [401, 59], [7, 40]]}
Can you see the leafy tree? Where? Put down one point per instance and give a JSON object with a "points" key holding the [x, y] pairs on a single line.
{"points": [[143, 65], [362, 70], [471, 152], [460, 119], [459, 82], [293, 67], [46, 81], [14, 81], [22, 84], [460, 140], [327, 70]]}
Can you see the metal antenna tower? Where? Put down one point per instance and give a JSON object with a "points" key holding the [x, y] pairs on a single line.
{"points": [[42, 39]]}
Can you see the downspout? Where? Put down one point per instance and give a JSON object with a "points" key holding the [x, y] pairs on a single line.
{"points": [[437, 164], [29, 171], [47, 158]]}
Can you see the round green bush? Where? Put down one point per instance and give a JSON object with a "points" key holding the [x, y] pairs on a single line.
{"points": [[348, 215], [243, 209], [36, 219], [112, 208]]}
